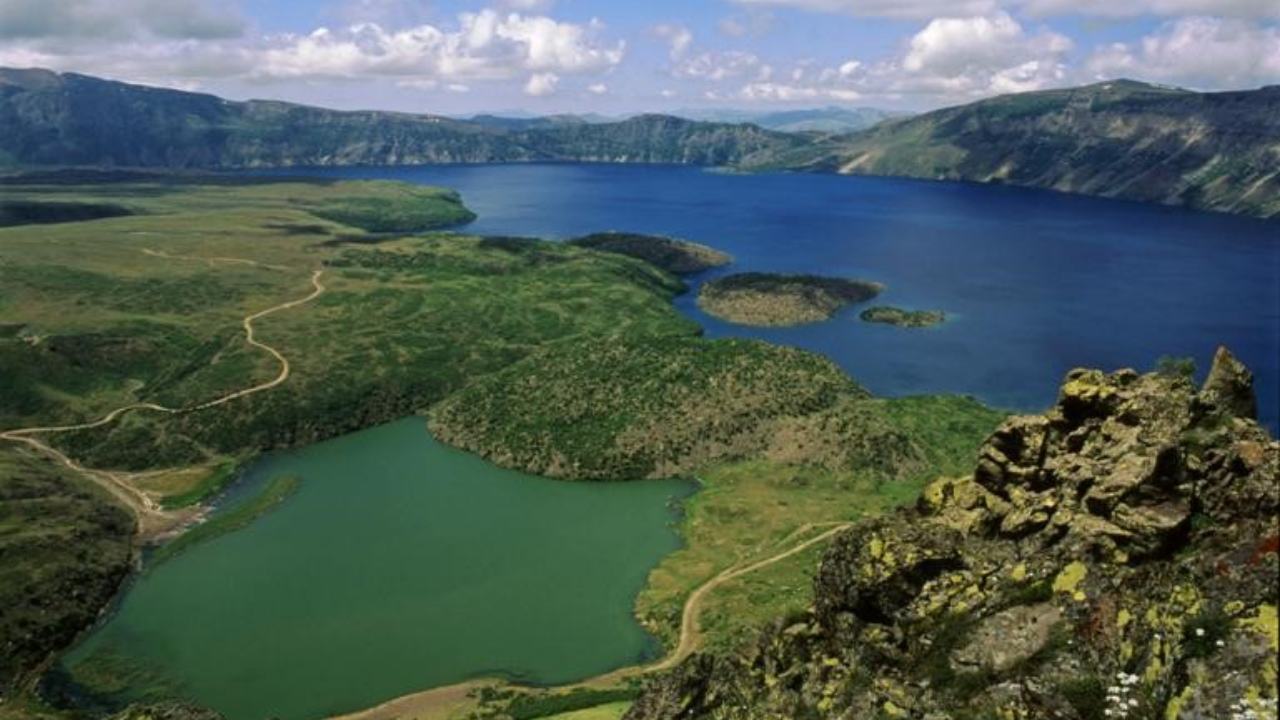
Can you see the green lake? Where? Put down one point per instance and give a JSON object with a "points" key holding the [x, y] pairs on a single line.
{"points": [[400, 564]]}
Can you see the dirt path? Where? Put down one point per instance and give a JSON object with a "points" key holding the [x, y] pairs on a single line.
{"points": [[151, 517], [690, 634], [443, 702]]}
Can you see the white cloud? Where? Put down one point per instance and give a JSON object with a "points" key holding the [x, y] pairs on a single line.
{"points": [[1130, 8], [978, 46], [1200, 52], [598, 89], [949, 60], [929, 9], [914, 9], [717, 66], [486, 45], [541, 84], [784, 92], [481, 46], [117, 19], [678, 38]]}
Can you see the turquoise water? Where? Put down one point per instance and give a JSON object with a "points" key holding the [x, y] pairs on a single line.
{"points": [[1036, 282], [400, 564]]}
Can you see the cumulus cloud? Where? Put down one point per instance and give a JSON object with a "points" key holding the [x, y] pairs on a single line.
{"points": [[928, 9], [678, 38], [541, 84], [912, 9], [1201, 52], [1130, 8], [486, 45], [948, 60], [598, 89], [117, 19]]}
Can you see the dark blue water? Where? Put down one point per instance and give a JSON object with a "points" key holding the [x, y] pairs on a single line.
{"points": [[1035, 282]]}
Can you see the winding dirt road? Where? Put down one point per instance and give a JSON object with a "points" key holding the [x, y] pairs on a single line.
{"points": [[150, 514]]}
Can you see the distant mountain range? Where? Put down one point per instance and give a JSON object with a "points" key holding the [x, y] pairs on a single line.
{"points": [[1121, 139], [70, 119], [821, 120]]}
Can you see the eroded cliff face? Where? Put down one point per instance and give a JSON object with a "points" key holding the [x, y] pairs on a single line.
{"points": [[1113, 558]]}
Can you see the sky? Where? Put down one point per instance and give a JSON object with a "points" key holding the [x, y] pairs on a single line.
{"points": [[615, 57]]}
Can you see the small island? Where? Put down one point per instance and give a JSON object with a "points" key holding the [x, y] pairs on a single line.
{"points": [[774, 300], [903, 318], [680, 257]]}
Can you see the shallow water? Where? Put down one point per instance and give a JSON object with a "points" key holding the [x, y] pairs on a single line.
{"points": [[1035, 282], [400, 564]]}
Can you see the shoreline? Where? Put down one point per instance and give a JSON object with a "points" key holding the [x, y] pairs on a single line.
{"points": [[447, 699]]}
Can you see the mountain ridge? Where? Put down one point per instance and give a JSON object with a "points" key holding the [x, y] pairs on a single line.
{"points": [[75, 119], [1121, 139]]}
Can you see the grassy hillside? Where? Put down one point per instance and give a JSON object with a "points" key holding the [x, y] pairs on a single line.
{"points": [[1122, 139], [70, 119], [148, 308], [64, 549]]}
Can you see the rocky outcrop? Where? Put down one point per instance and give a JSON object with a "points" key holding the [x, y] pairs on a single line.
{"points": [[1112, 558]]}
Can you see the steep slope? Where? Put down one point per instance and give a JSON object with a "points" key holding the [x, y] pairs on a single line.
{"points": [[1122, 139], [1114, 558], [70, 119]]}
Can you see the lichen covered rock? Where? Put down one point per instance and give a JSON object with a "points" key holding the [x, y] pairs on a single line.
{"points": [[1115, 557]]}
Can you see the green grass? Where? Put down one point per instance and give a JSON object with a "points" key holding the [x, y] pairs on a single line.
{"points": [[752, 509], [206, 488], [276, 491]]}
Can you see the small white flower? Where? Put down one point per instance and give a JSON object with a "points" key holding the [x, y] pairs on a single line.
{"points": [[1220, 643], [1199, 632]]}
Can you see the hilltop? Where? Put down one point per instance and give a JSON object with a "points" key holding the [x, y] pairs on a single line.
{"points": [[1122, 139]]}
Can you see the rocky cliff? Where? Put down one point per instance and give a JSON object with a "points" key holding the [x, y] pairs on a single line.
{"points": [[1113, 558]]}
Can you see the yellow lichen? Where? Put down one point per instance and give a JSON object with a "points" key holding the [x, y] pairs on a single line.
{"points": [[876, 547], [1019, 572], [1174, 708], [1122, 618], [893, 710], [1070, 578], [1265, 623]]}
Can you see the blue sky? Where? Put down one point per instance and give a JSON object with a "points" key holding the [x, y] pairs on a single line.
{"points": [[463, 56]]}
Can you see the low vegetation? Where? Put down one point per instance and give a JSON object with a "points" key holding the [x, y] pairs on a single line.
{"points": [[750, 509], [769, 299], [680, 257], [903, 318], [622, 408], [276, 491], [64, 549]]}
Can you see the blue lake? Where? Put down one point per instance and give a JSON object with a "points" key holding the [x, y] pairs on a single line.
{"points": [[1035, 282]]}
